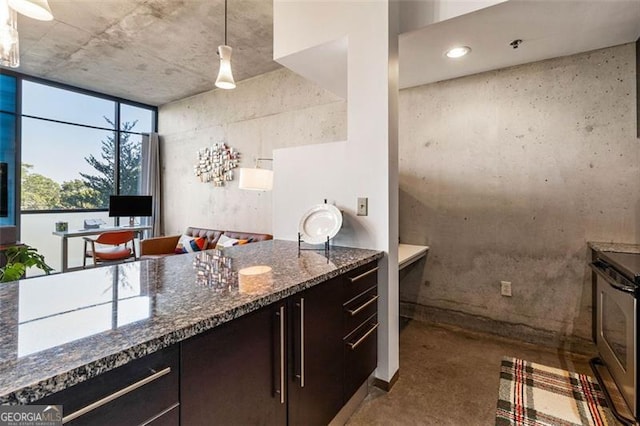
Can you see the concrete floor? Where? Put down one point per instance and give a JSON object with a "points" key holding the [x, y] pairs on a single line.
{"points": [[449, 376]]}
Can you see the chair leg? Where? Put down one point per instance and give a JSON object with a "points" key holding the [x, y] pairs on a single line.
{"points": [[84, 255], [93, 252]]}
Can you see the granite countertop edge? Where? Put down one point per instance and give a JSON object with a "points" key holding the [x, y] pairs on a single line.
{"points": [[58, 382], [615, 247]]}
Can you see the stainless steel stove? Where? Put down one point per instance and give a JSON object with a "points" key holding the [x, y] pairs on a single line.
{"points": [[616, 291]]}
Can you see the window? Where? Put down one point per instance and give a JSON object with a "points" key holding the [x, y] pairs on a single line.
{"points": [[41, 100], [65, 166], [8, 93], [78, 149]]}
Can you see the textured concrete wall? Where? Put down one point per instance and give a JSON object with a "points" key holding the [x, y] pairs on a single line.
{"points": [[507, 175], [275, 110]]}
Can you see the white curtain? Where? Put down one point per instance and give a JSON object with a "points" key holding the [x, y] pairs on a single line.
{"points": [[150, 181]]}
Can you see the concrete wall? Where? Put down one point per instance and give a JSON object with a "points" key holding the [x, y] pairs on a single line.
{"points": [[275, 110], [507, 175]]}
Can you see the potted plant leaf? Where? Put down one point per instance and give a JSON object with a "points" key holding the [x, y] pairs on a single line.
{"points": [[19, 259]]}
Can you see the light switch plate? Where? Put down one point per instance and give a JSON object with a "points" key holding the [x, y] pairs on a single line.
{"points": [[363, 206]]}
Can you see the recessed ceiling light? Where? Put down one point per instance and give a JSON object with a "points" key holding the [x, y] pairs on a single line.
{"points": [[458, 52]]}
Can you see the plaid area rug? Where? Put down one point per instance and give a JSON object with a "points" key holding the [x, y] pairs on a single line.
{"points": [[534, 394]]}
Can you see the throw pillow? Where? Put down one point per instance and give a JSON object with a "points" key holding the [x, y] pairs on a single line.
{"points": [[225, 241], [189, 244]]}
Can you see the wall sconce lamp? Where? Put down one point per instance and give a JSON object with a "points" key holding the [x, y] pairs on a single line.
{"points": [[256, 179]]}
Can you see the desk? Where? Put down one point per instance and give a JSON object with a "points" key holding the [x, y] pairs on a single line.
{"points": [[407, 254], [65, 235]]}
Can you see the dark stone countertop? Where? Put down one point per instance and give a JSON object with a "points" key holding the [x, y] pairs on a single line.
{"points": [[62, 329]]}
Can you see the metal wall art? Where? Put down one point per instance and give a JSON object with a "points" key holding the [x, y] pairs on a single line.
{"points": [[216, 164]]}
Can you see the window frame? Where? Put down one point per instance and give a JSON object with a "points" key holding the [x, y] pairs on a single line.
{"points": [[18, 146], [20, 77]]}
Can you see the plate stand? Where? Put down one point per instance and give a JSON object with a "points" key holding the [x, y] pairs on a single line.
{"points": [[327, 247]]}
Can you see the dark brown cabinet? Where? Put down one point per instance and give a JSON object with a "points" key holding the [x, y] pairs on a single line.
{"points": [[233, 374], [296, 362], [144, 391], [360, 326], [280, 365], [316, 367]]}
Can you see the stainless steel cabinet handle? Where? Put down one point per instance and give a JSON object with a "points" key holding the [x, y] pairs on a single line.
{"points": [[301, 375], [357, 343], [282, 366], [354, 312], [107, 399], [364, 274], [624, 286], [160, 414]]}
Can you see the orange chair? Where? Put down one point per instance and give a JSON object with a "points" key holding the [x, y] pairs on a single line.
{"points": [[117, 252]]}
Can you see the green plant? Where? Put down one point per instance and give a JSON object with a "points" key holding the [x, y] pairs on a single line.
{"points": [[19, 259]]}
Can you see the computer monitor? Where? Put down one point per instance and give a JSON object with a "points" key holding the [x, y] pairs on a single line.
{"points": [[130, 205]]}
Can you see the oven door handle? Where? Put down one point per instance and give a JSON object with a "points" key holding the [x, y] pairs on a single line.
{"points": [[599, 268]]}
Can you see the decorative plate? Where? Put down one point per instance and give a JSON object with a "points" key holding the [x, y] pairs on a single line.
{"points": [[319, 222]]}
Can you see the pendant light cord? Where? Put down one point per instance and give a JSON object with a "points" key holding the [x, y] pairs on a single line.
{"points": [[225, 22]]}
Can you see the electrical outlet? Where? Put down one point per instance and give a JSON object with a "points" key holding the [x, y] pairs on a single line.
{"points": [[363, 206], [505, 288]]}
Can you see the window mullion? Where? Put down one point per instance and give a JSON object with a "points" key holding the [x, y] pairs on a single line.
{"points": [[116, 160]]}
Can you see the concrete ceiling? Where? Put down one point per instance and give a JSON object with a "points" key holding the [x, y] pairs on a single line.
{"points": [[547, 28], [157, 51], [150, 51]]}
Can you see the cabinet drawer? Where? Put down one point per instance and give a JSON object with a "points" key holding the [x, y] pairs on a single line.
{"points": [[128, 395], [360, 279], [357, 310], [170, 417], [361, 355]]}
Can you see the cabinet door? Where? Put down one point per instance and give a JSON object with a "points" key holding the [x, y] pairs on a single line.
{"points": [[231, 375], [133, 394], [316, 370]]}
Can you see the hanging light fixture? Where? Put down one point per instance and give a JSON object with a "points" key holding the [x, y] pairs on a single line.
{"points": [[36, 9], [225, 77], [9, 42], [9, 54]]}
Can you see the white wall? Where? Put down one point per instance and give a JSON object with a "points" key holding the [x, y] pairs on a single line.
{"points": [[366, 164], [415, 14]]}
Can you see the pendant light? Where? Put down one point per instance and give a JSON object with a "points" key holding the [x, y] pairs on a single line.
{"points": [[225, 77], [36, 9], [9, 54], [9, 42]]}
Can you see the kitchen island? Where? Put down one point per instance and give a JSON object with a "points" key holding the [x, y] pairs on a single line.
{"points": [[61, 330]]}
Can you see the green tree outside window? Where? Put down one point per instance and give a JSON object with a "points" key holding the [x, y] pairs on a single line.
{"points": [[93, 190]]}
